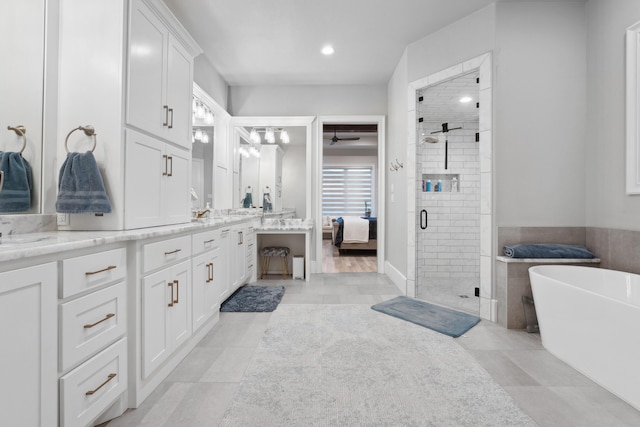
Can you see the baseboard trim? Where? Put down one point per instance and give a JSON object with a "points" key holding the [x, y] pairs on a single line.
{"points": [[396, 277]]}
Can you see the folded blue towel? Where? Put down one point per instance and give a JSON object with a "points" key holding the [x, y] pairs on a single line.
{"points": [[16, 184], [547, 250], [80, 186]]}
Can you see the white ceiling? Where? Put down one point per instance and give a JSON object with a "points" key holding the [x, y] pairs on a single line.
{"points": [[259, 42]]}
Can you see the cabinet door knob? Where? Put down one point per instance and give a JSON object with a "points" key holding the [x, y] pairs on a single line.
{"points": [[171, 300], [92, 392], [166, 115], [107, 317]]}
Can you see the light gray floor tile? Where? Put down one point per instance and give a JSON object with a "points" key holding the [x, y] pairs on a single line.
{"points": [[301, 299], [229, 366], [547, 369], [502, 369]]}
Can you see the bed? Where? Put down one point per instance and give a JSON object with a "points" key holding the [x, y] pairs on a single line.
{"points": [[338, 232]]}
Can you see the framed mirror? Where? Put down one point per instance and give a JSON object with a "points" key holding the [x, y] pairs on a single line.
{"points": [[21, 105], [202, 151], [633, 108]]}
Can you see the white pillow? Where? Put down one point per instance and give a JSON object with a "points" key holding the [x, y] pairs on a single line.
{"points": [[326, 220]]}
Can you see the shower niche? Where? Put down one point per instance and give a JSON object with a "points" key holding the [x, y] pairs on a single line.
{"points": [[450, 182]]}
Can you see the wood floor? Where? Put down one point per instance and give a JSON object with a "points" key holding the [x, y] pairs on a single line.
{"points": [[349, 262]]}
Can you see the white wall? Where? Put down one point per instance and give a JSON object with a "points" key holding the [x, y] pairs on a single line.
{"points": [[607, 205], [540, 114], [208, 78], [396, 191], [307, 100]]}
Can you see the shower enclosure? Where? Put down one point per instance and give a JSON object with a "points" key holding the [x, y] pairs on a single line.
{"points": [[448, 193]]}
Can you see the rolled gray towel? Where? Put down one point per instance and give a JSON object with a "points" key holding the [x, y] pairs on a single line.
{"points": [[547, 250]]}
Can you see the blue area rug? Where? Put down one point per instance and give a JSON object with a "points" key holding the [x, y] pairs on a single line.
{"points": [[440, 319], [253, 299]]}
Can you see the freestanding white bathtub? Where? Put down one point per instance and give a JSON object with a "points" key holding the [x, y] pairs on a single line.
{"points": [[590, 319]]}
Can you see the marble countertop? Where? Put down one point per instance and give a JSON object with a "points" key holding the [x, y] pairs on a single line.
{"points": [[18, 246], [286, 225]]}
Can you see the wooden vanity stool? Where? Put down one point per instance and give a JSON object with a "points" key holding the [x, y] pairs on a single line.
{"points": [[271, 251]]}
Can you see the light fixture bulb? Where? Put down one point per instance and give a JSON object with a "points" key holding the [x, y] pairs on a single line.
{"points": [[200, 111], [208, 117], [269, 136], [284, 136], [198, 135], [205, 138], [465, 99], [328, 50], [254, 136]]}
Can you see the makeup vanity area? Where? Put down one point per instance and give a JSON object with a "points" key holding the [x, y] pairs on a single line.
{"points": [[97, 310]]}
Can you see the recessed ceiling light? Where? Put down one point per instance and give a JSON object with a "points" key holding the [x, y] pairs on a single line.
{"points": [[465, 99], [328, 50]]}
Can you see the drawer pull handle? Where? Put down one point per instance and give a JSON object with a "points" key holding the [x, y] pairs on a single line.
{"points": [[171, 286], [91, 273], [210, 272], [173, 252], [209, 241], [107, 317], [109, 378], [177, 300]]}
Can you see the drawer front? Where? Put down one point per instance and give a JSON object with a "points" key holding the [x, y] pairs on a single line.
{"points": [[166, 252], [90, 271], [205, 241], [93, 386], [90, 323]]}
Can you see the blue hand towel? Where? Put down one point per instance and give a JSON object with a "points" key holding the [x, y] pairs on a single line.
{"points": [[547, 250], [80, 186], [15, 190]]}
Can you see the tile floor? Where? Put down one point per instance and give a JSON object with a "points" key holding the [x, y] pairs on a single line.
{"points": [[548, 390]]}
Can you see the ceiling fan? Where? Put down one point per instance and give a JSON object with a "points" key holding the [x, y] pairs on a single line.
{"points": [[335, 138]]}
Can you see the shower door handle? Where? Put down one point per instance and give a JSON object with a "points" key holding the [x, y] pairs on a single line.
{"points": [[424, 219]]}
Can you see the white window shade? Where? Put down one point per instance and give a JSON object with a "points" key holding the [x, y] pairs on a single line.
{"points": [[346, 189]]}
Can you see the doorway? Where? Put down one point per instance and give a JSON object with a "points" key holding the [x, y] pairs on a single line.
{"points": [[350, 150], [436, 272]]}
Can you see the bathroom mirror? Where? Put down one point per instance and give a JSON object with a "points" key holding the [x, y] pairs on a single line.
{"points": [[202, 140], [22, 88], [633, 108], [279, 170]]}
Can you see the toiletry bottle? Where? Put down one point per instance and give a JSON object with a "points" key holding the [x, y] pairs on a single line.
{"points": [[428, 185], [454, 185], [439, 188], [208, 209]]}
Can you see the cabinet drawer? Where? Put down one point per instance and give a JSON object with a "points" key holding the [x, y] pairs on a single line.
{"points": [[89, 271], [166, 252], [205, 241], [90, 323], [90, 388]]}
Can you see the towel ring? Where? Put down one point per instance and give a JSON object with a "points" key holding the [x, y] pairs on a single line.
{"points": [[88, 130], [20, 131]]}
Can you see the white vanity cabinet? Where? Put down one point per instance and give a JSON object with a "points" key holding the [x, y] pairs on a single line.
{"points": [[157, 182], [126, 68], [207, 277], [159, 74], [28, 390], [92, 318], [165, 300]]}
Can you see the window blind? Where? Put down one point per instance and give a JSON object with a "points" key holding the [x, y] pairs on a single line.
{"points": [[346, 189]]}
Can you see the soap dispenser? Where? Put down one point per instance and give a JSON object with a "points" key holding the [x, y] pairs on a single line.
{"points": [[207, 209]]}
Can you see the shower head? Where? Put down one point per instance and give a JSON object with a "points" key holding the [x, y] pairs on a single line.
{"points": [[430, 139]]}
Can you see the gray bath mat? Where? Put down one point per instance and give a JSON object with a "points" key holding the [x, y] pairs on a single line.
{"points": [[254, 298], [440, 319]]}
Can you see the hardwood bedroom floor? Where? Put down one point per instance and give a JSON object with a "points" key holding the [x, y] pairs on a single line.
{"points": [[350, 262]]}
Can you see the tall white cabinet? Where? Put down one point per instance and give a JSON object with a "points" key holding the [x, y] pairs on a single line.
{"points": [[126, 68]]}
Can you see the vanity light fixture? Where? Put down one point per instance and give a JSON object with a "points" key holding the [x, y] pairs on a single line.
{"points": [[465, 99], [205, 138]]}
